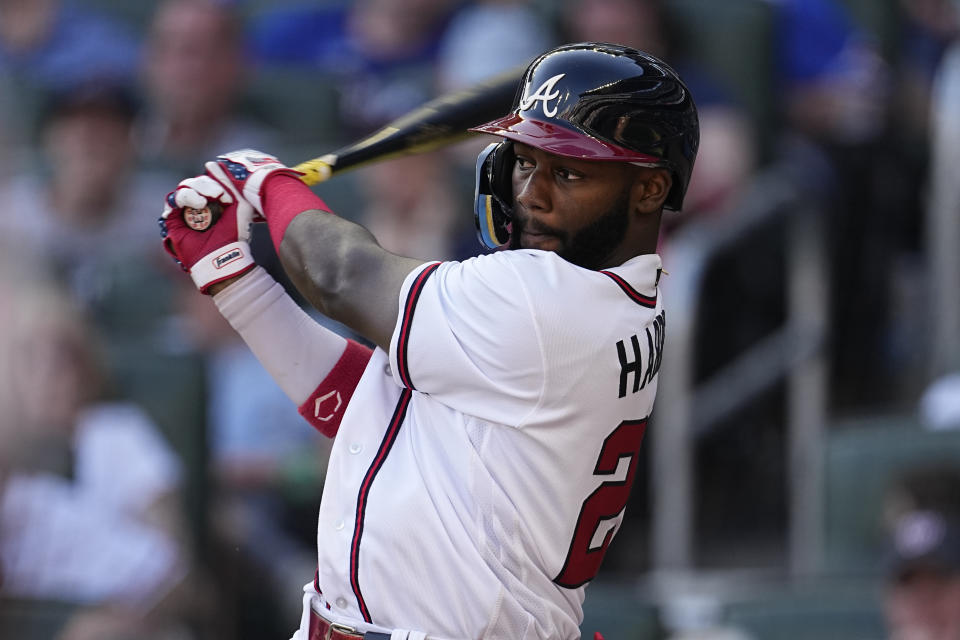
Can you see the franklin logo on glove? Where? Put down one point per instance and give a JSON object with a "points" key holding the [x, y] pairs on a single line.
{"points": [[223, 260]]}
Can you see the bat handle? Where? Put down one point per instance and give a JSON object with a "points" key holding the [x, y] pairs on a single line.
{"points": [[314, 172], [317, 170], [202, 219]]}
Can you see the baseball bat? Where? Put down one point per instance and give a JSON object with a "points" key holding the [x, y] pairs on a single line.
{"points": [[439, 122]]}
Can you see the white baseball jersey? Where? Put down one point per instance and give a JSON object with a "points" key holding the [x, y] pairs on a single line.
{"points": [[483, 466]]}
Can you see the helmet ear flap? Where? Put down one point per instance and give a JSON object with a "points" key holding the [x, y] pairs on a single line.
{"points": [[493, 211]]}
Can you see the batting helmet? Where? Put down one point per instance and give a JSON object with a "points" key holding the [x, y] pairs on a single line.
{"points": [[591, 101]]}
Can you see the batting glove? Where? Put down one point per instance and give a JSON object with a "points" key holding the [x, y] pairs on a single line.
{"points": [[205, 226], [246, 171]]}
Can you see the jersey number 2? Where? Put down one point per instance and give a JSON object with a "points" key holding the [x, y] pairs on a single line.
{"points": [[603, 505]]}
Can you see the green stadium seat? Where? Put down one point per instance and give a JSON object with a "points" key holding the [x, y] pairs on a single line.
{"points": [[33, 619], [613, 609], [863, 458], [815, 611]]}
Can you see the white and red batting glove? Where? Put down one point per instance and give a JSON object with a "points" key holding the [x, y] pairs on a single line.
{"points": [[246, 171], [211, 248]]}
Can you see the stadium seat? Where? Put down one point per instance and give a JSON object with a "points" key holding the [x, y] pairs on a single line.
{"points": [[863, 457], [613, 609], [32, 619], [821, 610]]}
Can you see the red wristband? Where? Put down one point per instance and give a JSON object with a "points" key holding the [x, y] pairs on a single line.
{"points": [[284, 198], [325, 406]]}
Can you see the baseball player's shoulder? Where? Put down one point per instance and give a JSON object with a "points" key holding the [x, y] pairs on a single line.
{"points": [[508, 276], [543, 275], [526, 263], [549, 270], [640, 273], [493, 269]]}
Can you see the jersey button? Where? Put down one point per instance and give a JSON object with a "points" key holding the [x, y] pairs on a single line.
{"points": [[342, 603], [356, 448], [387, 370], [338, 525]]}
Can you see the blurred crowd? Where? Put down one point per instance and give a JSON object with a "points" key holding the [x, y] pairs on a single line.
{"points": [[155, 483]]}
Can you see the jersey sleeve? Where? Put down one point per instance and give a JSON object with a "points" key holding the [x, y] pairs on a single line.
{"points": [[467, 335]]}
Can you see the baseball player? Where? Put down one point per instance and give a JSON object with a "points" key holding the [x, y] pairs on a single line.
{"points": [[485, 448]]}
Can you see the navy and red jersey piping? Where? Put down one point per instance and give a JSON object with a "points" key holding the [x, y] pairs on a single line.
{"points": [[389, 438], [644, 301], [403, 339]]}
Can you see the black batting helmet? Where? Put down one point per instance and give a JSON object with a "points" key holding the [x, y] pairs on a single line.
{"points": [[591, 101]]}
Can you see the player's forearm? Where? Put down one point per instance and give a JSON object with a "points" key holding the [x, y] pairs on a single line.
{"points": [[336, 264], [342, 270]]}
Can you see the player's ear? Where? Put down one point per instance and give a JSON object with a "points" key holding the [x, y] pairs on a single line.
{"points": [[650, 188]]}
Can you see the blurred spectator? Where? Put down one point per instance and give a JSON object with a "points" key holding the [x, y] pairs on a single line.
{"points": [[489, 36], [928, 27], [86, 210], [49, 45], [54, 44], [923, 558], [728, 146], [410, 207], [923, 596], [90, 511], [834, 80], [642, 24], [835, 100], [381, 52], [194, 73]]}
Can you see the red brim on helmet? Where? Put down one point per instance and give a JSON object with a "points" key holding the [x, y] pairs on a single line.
{"points": [[561, 141]]}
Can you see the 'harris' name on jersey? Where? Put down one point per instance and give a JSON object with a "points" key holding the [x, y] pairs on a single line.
{"points": [[641, 360]]}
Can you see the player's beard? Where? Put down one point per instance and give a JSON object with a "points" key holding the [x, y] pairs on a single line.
{"points": [[591, 246]]}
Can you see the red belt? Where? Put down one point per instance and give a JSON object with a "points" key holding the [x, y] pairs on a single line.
{"points": [[323, 629]]}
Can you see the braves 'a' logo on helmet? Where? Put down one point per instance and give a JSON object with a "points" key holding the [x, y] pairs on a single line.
{"points": [[544, 93]]}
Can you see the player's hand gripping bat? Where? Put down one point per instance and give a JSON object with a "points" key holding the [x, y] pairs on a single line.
{"points": [[439, 122]]}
